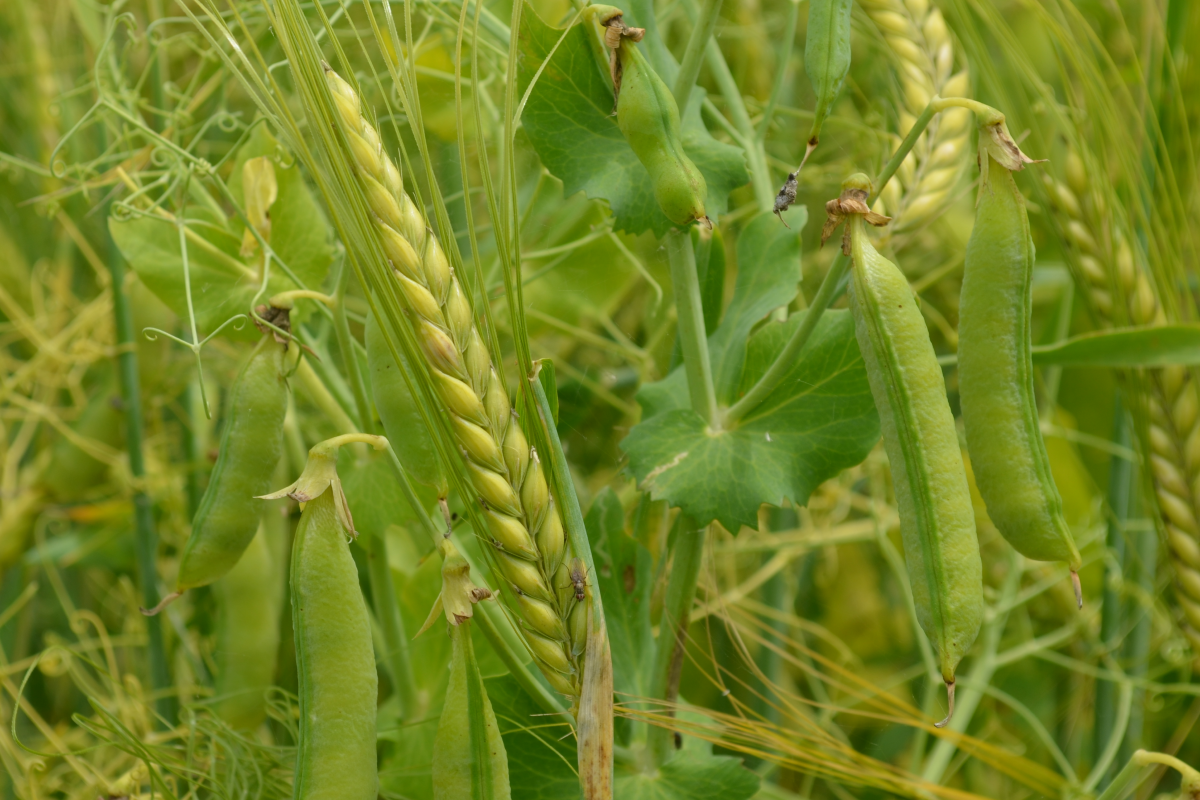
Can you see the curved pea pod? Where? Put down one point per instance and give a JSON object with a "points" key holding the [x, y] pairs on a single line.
{"points": [[335, 662], [826, 56], [937, 523], [249, 602], [995, 377], [649, 118], [398, 411], [469, 759], [251, 445], [72, 470]]}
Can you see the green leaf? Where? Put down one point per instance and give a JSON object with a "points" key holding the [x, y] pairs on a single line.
{"points": [[820, 421], [569, 120], [624, 574], [768, 276], [1151, 346], [223, 283], [541, 753], [694, 773], [469, 760]]}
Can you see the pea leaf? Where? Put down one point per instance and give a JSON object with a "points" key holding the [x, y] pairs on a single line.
{"points": [[541, 759], [223, 283], [693, 773], [819, 421], [569, 120], [624, 574]]}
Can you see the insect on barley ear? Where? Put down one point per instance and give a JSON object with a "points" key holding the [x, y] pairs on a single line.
{"points": [[937, 522], [995, 364]]}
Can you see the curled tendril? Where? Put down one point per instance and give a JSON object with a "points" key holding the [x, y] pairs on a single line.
{"points": [[227, 122]]}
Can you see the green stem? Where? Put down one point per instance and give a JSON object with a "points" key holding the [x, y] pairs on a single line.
{"points": [[145, 539], [689, 68], [756, 157], [981, 676], [672, 629], [396, 654], [789, 37], [1126, 781], [692, 336], [829, 290], [341, 330], [1138, 643], [1120, 483]]}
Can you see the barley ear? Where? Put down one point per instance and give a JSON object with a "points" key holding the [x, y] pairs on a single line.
{"points": [[523, 522]]}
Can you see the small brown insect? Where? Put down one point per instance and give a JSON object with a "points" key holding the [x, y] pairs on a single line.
{"points": [[578, 577]]}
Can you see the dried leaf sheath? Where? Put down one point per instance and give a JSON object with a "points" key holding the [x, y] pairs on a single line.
{"points": [[525, 525]]}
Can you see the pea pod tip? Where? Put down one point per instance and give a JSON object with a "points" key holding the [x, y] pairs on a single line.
{"points": [[949, 705], [166, 601]]}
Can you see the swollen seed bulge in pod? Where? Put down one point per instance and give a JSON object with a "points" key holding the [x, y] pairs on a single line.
{"points": [[549, 652], [458, 397], [541, 617], [522, 574], [516, 454], [649, 119], [510, 534], [551, 540], [478, 443]]}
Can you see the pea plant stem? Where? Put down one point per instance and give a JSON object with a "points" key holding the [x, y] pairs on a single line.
{"points": [[697, 44], [829, 290], [341, 330], [784, 57], [1133, 773], [687, 555], [145, 538], [396, 654], [692, 336]]}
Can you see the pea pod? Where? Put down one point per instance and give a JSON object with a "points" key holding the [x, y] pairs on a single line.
{"points": [[826, 57], [937, 523], [249, 600], [335, 662], [251, 445], [995, 376], [398, 412], [649, 118]]}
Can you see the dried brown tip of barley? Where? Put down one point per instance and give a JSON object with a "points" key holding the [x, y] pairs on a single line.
{"points": [[950, 705]]}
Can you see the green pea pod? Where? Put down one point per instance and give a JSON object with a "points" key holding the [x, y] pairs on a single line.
{"points": [[71, 470], [398, 411], [937, 522], [251, 445], [995, 377], [826, 56], [249, 602], [649, 118], [335, 661], [468, 754]]}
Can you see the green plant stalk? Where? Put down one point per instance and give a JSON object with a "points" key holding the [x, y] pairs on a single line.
{"points": [[981, 675], [688, 554], [789, 37], [756, 158], [689, 68], [396, 656], [1132, 775], [831, 287], [145, 538], [692, 336], [1120, 483], [1137, 654], [341, 330]]}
